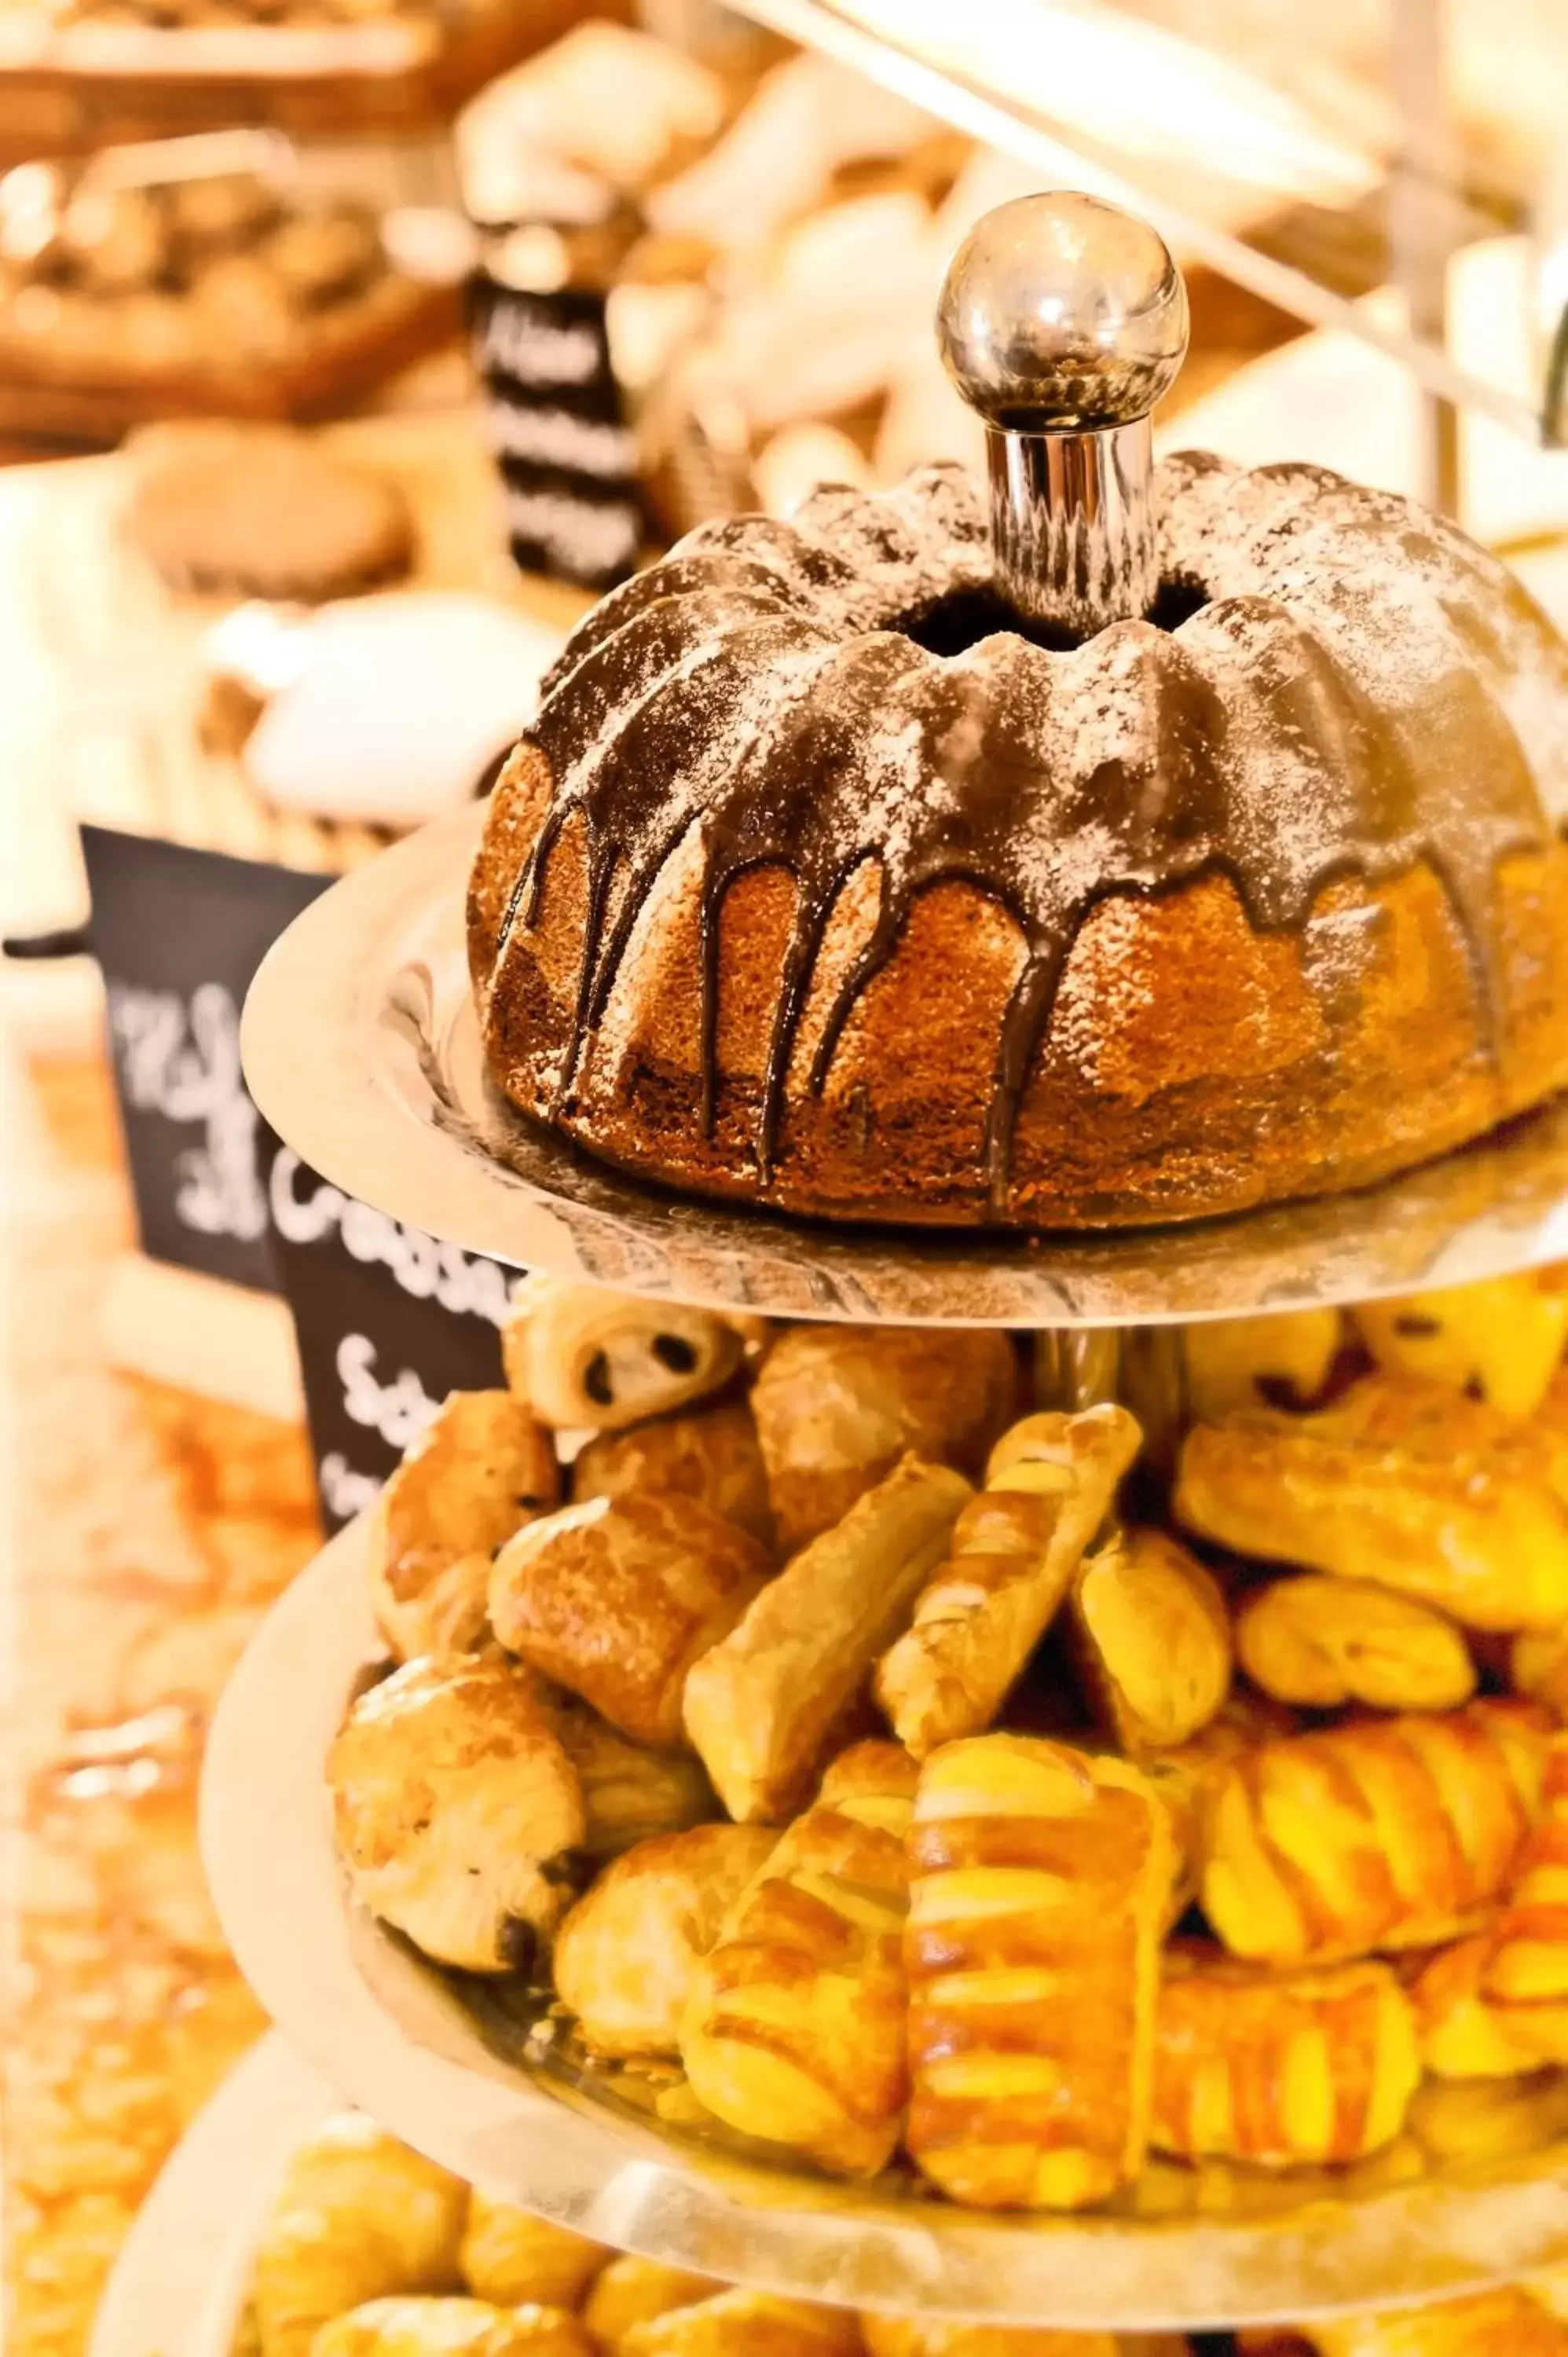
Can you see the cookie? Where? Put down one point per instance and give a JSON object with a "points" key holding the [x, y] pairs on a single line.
{"points": [[263, 512]]}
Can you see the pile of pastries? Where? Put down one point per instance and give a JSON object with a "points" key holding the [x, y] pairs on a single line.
{"points": [[1082, 1805]]}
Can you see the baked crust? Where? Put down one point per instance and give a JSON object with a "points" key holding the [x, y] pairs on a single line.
{"points": [[711, 1453], [1319, 1643]]}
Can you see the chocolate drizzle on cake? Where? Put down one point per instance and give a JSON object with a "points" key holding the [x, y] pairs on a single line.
{"points": [[1358, 690]]}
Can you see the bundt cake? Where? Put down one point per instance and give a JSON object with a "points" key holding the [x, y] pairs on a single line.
{"points": [[818, 883]]}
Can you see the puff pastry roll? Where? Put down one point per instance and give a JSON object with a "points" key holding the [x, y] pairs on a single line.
{"points": [[514, 2259], [359, 2217], [630, 1793], [1462, 2035], [627, 1955], [451, 2328], [1377, 1834], [633, 2291], [1255, 1362], [456, 1810], [587, 1358], [1322, 1642], [762, 1706], [1040, 1879], [837, 1407], [938, 2336], [1151, 1639], [712, 1454], [794, 2029], [1403, 1482], [484, 1467], [747, 2324], [617, 1598], [1525, 1977], [1281, 2068], [1493, 2324], [1504, 1338], [1049, 1486]]}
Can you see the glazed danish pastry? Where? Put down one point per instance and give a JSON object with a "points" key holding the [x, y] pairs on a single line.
{"points": [[1463, 2035], [616, 1599], [762, 1706], [451, 2328], [1321, 1642], [1232, 1363], [1040, 1878], [794, 2029], [1525, 1976], [514, 2259], [588, 1360], [1048, 1487], [1505, 1337], [747, 2324], [633, 2291], [712, 1454], [1151, 1639]]}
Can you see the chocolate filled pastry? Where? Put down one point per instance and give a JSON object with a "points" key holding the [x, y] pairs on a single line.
{"points": [[1403, 1482], [1151, 1639], [1281, 2068], [938, 2336], [762, 1706], [585, 1359], [514, 2259], [712, 1454], [1230, 1364], [1506, 2323], [1321, 1642], [483, 1466], [616, 1599], [1381, 1834], [747, 2324], [627, 1955], [1504, 1338], [452, 2328], [836, 1407], [1049, 1486], [794, 2029], [1040, 1882], [457, 1812], [633, 2291], [629, 1792]]}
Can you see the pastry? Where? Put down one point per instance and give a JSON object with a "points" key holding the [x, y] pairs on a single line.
{"points": [[627, 1955], [1040, 1878], [763, 1704], [1239, 1362], [1151, 1639], [1390, 1833], [262, 511], [452, 2328], [794, 2029], [481, 1469], [1525, 1976], [358, 2217], [615, 1597], [712, 1454], [836, 1407], [1049, 1486], [1281, 2068], [1493, 2324], [1403, 1482], [633, 2291], [1321, 1643], [1462, 2036], [630, 1793], [585, 1358], [746, 2324], [934, 2336], [1151, 938], [1505, 1337], [514, 2259], [457, 1812], [1538, 1665]]}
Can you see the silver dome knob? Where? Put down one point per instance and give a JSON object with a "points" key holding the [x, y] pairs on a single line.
{"points": [[1063, 321]]}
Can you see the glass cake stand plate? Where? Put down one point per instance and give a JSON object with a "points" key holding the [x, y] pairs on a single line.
{"points": [[362, 1047], [455, 2071]]}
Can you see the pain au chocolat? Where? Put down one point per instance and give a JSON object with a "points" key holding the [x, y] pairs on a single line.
{"points": [[826, 880]]}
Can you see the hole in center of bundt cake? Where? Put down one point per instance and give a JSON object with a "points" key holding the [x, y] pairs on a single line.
{"points": [[960, 619]]}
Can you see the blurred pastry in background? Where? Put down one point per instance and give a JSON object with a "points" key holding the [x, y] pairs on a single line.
{"points": [[262, 511]]}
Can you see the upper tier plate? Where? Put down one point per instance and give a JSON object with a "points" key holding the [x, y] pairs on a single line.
{"points": [[362, 1047]]}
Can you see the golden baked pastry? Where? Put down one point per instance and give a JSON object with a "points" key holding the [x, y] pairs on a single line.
{"points": [[746, 2324], [1281, 2068], [633, 2291], [1151, 1639], [836, 1407], [627, 1955], [1039, 1883], [762, 1706], [1525, 1975], [451, 2328], [1506, 2323], [585, 1358], [482, 1468], [358, 2217], [1391, 1832], [1538, 1666], [1233, 1363], [794, 2029], [1463, 2035], [616, 1599], [712, 1454], [1049, 1486], [1402, 1481], [1322, 1642], [1505, 1337], [630, 1793], [935, 2336], [514, 2259], [457, 1811]]}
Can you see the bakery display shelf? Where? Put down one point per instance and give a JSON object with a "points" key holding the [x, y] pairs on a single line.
{"points": [[518, 2116]]}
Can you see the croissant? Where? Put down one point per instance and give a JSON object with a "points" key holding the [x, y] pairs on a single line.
{"points": [[1048, 1487], [1039, 1883], [747, 2324], [483, 1466], [632, 2291], [794, 2029], [629, 1793], [1151, 1639], [1322, 1642], [616, 1599], [1493, 2324], [512, 2258], [627, 1955], [1504, 1338], [584, 1358], [935, 2336], [837, 1407], [456, 1810], [1251, 1362], [1377, 1834], [1402, 1482], [712, 1454], [762, 1706], [1281, 2068], [359, 2216], [451, 2328]]}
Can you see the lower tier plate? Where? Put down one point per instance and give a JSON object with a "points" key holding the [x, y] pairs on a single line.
{"points": [[395, 2036]]}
